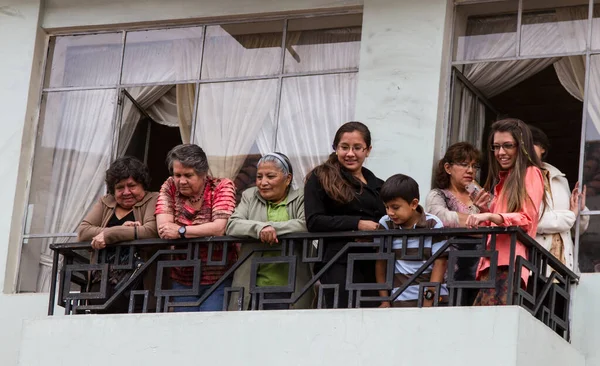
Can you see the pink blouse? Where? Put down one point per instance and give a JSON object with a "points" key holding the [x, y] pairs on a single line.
{"points": [[527, 218]]}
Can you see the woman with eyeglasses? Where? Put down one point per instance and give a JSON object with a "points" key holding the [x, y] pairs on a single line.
{"points": [[342, 195], [453, 203], [515, 178]]}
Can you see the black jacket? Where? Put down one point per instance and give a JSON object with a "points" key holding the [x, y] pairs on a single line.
{"points": [[323, 214]]}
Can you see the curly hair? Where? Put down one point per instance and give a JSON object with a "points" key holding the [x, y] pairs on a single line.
{"points": [[126, 167], [460, 152]]}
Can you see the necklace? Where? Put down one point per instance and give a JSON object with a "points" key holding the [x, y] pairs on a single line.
{"points": [[194, 200]]}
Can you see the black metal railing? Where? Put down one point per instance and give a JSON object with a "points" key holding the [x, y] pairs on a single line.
{"points": [[546, 295]]}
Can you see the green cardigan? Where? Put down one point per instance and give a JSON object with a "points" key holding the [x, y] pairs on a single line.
{"points": [[249, 218]]}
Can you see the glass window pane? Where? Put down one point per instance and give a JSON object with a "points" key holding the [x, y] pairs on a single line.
{"points": [[482, 34], [247, 49], [72, 153], [591, 162], [162, 55], [553, 31], [312, 109], [596, 26], [324, 43], [589, 247], [232, 118], [91, 60]]}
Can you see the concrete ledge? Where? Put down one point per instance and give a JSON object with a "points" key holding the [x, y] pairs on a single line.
{"points": [[451, 336]]}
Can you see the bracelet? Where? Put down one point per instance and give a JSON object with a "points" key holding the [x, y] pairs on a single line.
{"points": [[135, 237]]}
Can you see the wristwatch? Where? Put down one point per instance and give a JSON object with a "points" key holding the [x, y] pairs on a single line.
{"points": [[182, 232], [428, 294]]}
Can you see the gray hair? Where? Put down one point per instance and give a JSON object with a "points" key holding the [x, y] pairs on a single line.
{"points": [[190, 156], [281, 161]]}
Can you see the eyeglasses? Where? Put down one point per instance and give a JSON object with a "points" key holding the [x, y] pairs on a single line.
{"points": [[506, 146], [356, 148], [467, 166]]}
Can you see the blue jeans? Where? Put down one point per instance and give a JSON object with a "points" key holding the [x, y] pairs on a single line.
{"points": [[213, 303]]}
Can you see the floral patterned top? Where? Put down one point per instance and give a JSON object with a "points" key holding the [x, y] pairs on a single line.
{"points": [[445, 205]]}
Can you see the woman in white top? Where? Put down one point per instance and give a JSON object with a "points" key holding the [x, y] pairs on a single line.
{"points": [[556, 226]]}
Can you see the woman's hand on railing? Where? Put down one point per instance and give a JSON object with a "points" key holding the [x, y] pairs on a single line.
{"points": [[268, 235], [385, 304], [98, 241], [169, 230], [367, 225]]}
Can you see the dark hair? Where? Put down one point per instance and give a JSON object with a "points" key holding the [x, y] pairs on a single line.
{"points": [[190, 156], [330, 174], [399, 186], [514, 188], [123, 168], [456, 153], [540, 139]]}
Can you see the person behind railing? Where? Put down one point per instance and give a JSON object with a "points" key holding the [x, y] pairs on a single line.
{"points": [[557, 223], [267, 211], [400, 193], [126, 213], [452, 203], [192, 204], [515, 178], [342, 195]]}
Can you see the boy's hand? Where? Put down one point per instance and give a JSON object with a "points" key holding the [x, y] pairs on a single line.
{"points": [[427, 303], [385, 304]]}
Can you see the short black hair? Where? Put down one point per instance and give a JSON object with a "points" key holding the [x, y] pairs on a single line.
{"points": [[399, 186], [540, 139], [123, 168], [190, 156]]}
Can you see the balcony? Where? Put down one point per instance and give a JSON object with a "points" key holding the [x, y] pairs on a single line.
{"points": [[546, 297]]}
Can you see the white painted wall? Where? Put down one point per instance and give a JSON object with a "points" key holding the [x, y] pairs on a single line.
{"points": [[399, 84], [585, 322], [13, 309], [86, 13], [335, 337]]}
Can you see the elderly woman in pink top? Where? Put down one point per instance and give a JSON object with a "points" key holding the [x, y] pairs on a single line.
{"points": [[192, 204], [516, 180]]}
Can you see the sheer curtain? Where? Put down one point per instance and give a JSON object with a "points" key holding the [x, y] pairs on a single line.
{"points": [[571, 70], [312, 109], [78, 130], [233, 116], [230, 119]]}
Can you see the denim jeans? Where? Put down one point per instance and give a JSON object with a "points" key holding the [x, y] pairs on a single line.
{"points": [[213, 303]]}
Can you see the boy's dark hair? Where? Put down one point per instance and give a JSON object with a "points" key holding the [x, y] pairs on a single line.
{"points": [[399, 186]]}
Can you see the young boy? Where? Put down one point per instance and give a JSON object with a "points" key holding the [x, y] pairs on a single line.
{"points": [[400, 193]]}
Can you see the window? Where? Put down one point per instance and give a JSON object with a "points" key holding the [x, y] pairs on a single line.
{"points": [[537, 60], [238, 90]]}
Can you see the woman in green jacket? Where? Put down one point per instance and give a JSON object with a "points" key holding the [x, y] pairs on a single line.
{"points": [[267, 211]]}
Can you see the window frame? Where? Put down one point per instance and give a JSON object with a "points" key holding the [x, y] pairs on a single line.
{"points": [[588, 53], [119, 87]]}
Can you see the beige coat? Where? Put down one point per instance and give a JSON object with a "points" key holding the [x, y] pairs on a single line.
{"points": [[249, 218], [95, 222]]}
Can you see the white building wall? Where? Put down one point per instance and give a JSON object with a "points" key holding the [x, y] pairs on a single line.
{"points": [[458, 336], [399, 84]]}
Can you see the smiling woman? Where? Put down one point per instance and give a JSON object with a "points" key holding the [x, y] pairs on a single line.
{"points": [[267, 211]]}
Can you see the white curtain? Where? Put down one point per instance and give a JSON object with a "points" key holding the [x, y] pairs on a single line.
{"points": [[233, 117], [571, 70], [78, 132], [312, 109], [230, 118], [486, 38]]}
